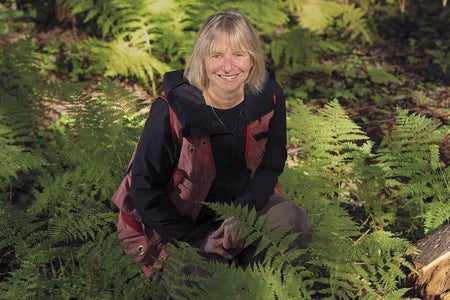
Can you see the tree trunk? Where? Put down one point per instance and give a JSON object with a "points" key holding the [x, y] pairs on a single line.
{"points": [[433, 265]]}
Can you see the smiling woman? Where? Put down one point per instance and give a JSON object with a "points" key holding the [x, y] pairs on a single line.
{"points": [[219, 136]]}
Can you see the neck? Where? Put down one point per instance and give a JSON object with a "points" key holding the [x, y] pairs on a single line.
{"points": [[226, 102]]}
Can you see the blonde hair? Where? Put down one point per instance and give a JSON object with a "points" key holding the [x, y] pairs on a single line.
{"points": [[241, 35]]}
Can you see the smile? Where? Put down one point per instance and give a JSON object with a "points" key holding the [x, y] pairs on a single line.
{"points": [[229, 77]]}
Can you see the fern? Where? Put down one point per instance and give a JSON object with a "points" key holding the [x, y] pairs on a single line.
{"points": [[22, 239], [297, 49], [121, 58], [330, 171], [100, 270], [19, 109], [258, 228], [50, 240], [437, 213], [48, 268], [279, 276], [57, 237], [334, 150], [17, 159], [381, 76], [409, 158], [318, 15], [146, 33], [135, 27], [380, 262]]}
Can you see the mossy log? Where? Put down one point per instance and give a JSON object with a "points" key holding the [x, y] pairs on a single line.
{"points": [[433, 265]]}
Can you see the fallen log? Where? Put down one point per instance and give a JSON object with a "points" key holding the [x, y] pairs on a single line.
{"points": [[432, 279]]}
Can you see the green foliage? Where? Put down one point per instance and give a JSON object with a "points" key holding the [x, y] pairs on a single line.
{"points": [[297, 50], [280, 275], [380, 76], [129, 30], [13, 19], [400, 186], [318, 16], [380, 262], [142, 38], [335, 150], [296, 47], [441, 57], [19, 113], [335, 168], [57, 235], [413, 173]]}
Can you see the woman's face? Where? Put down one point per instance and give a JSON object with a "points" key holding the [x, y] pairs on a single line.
{"points": [[227, 68]]}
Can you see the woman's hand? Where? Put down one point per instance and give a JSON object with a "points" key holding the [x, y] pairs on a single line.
{"points": [[214, 243], [231, 234], [224, 240]]}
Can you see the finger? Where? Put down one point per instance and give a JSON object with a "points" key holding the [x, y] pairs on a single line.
{"points": [[227, 229], [219, 233], [224, 253], [241, 243], [232, 239], [226, 244]]}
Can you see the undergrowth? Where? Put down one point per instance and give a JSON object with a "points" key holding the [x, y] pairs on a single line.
{"points": [[57, 224]]}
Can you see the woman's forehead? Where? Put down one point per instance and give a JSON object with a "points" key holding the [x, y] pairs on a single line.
{"points": [[224, 41]]}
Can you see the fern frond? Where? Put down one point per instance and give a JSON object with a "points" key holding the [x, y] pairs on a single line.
{"points": [[317, 16], [380, 259], [381, 76], [297, 49], [334, 147], [346, 263], [17, 159], [266, 16], [77, 223], [135, 27], [121, 57], [275, 245], [437, 213], [18, 111], [411, 165], [23, 241], [354, 18], [99, 267], [285, 283], [14, 230], [189, 276], [278, 259]]}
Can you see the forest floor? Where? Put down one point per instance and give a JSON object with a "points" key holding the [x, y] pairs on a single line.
{"points": [[426, 91]]}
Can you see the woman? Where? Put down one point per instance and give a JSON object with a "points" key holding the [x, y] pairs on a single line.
{"points": [[218, 135]]}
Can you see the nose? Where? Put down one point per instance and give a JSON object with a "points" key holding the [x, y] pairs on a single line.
{"points": [[227, 64]]}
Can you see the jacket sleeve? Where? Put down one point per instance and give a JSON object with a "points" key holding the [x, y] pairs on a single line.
{"points": [[261, 185], [156, 157]]}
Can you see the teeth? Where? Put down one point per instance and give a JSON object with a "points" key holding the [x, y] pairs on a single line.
{"points": [[228, 76]]}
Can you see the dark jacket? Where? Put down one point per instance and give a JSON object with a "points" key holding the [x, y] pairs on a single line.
{"points": [[190, 157]]}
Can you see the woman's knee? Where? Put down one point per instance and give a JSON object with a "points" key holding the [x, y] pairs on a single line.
{"points": [[289, 214]]}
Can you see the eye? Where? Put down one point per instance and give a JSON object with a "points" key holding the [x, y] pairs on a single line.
{"points": [[241, 55], [215, 56]]}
